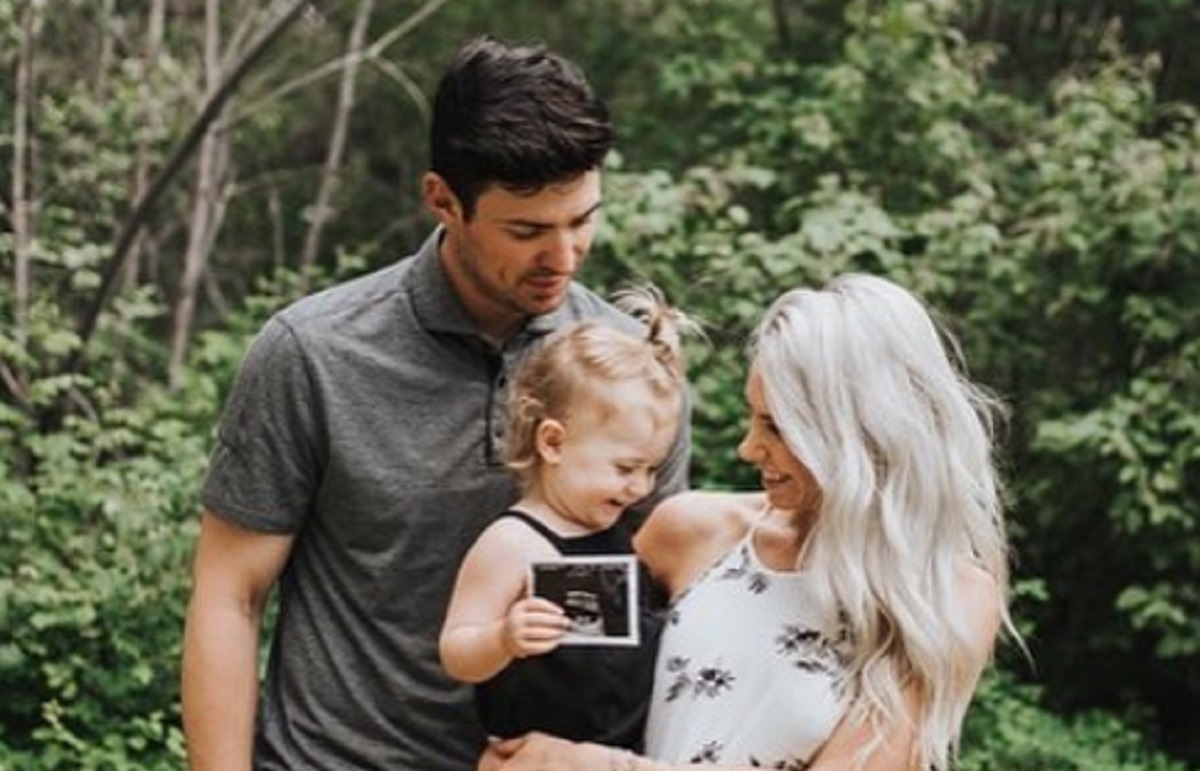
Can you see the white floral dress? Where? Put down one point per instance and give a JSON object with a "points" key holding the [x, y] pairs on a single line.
{"points": [[750, 669]]}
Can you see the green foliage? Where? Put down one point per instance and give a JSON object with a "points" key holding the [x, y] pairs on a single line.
{"points": [[97, 511], [1102, 199], [765, 146], [95, 542], [1007, 729], [94, 550], [1057, 238]]}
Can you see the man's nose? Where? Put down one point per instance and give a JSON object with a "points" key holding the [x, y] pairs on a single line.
{"points": [[562, 252]]}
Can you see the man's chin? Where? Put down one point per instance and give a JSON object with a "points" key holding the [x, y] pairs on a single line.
{"points": [[538, 305]]}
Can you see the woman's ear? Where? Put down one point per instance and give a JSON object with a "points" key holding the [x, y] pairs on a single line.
{"points": [[548, 439]]}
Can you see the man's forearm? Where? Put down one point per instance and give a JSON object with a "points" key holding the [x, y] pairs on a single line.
{"points": [[219, 688]]}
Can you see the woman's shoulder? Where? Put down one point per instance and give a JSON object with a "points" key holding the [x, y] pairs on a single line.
{"points": [[711, 509], [687, 531]]}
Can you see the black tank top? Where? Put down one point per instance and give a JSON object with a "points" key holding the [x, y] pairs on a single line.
{"points": [[582, 693]]}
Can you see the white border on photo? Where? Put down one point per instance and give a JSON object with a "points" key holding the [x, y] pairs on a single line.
{"points": [[599, 593]]}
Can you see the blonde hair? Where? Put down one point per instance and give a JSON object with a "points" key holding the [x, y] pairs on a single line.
{"points": [[577, 362], [871, 395]]}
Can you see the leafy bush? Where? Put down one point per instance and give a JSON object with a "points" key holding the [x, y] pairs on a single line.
{"points": [[1055, 230], [94, 547], [96, 531], [1057, 236], [1008, 729]]}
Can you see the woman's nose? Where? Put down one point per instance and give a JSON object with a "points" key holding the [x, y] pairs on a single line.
{"points": [[746, 449]]}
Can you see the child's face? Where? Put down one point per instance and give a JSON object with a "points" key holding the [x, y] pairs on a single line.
{"points": [[608, 459]]}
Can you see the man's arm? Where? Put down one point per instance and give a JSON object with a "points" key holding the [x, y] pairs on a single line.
{"points": [[232, 573]]}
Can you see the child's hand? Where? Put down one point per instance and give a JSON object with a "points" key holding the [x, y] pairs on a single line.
{"points": [[534, 626]]}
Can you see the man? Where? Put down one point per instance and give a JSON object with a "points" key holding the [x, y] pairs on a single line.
{"points": [[359, 453]]}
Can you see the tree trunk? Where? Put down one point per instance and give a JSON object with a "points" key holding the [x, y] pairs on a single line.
{"points": [[22, 207], [107, 46], [321, 211], [209, 173], [155, 28], [783, 31], [17, 378]]}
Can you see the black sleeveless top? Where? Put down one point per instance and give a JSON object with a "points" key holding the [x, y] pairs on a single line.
{"points": [[579, 692]]}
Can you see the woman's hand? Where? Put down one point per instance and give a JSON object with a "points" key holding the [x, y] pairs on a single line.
{"points": [[498, 751], [541, 752]]}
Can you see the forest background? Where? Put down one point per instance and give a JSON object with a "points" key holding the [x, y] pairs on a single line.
{"points": [[175, 171]]}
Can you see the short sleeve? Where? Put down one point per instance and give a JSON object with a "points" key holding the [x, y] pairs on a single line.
{"points": [[267, 463]]}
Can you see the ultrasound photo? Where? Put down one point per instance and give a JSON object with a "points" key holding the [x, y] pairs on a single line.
{"points": [[599, 594]]}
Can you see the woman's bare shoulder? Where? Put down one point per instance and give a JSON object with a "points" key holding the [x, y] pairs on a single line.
{"points": [[686, 532], [711, 507]]}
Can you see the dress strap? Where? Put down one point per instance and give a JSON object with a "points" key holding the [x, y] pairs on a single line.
{"points": [[749, 544], [748, 537], [538, 526]]}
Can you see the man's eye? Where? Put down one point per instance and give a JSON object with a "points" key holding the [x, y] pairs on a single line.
{"points": [[524, 234]]}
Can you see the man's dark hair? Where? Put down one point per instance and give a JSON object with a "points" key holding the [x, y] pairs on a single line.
{"points": [[520, 117]]}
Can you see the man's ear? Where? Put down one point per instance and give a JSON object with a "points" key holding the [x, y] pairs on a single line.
{"points": [[548, 439], [440, 199]]}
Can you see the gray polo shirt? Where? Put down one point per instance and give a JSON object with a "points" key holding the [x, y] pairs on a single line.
{"points": [[368, 420]]}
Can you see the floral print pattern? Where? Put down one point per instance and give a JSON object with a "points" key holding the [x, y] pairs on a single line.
{"points": [[802, 640]]}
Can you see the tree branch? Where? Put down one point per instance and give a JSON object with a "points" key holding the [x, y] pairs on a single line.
{"points": [[321, 208], [371, 53], [141, 213]]}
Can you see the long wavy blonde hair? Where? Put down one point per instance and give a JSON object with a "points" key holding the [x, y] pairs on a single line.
{"points": [[871, 394]]}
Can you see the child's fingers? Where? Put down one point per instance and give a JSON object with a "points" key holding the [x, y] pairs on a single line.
{"points": [[541, 604]]}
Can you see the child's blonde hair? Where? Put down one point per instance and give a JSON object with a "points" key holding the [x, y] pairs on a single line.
{"points": [[577, 362]]}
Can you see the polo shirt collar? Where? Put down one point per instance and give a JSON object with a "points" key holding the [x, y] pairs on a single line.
{"points": [[438, 308]]}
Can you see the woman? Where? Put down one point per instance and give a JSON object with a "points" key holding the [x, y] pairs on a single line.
{"points": [[840, 617]]}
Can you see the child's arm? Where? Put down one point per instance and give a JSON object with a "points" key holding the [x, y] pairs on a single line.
{"points": [[490, 621]]}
